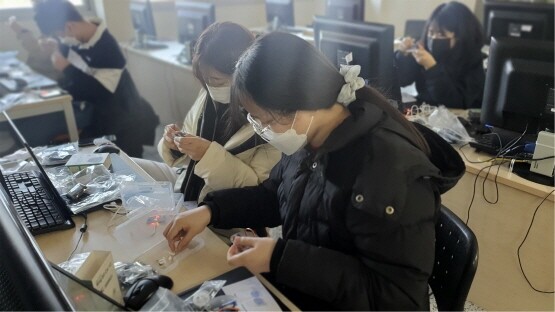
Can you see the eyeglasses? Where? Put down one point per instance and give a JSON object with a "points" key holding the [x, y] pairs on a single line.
{"points": [[262, 131]]}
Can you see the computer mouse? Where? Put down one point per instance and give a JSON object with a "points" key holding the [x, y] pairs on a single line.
{"points": [[163, 281], [108, 148], [140, 292]]}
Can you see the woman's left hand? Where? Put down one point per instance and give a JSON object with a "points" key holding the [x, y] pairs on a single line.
{"points": [[193, 146], [256, 254], [423, 57]]}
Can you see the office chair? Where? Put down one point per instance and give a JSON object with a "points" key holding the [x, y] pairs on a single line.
{"points": [[455, 263]]}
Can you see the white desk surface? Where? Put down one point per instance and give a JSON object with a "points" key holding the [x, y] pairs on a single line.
{"points": [[35, 106], [206, 264]]}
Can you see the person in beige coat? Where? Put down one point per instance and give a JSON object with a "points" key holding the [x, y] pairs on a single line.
{"points": [[211, 151]]}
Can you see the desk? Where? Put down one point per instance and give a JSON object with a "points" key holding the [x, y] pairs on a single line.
{"points": [[500, 228], [169, 86], [205, 264], [36, 106], [30, 104]]}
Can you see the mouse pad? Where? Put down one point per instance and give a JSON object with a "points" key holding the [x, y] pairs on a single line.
{"points": [[233, 276]]}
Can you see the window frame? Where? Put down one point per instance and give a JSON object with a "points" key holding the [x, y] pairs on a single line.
{"points": [[25, 14]]}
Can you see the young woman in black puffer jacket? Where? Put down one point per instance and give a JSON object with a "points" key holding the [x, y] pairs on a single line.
{"points": [[357, 191]]}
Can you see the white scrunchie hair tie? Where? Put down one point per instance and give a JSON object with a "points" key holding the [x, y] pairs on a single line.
{"points": [[353, 83]]}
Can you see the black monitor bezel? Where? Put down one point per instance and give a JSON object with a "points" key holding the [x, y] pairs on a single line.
{"points": [[198, 10], [36, 281], [278, 7], [144, 8], [519, 8], [332, 5], [381, 32], [502, 50]]}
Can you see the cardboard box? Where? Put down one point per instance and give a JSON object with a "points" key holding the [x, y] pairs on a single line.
{"points": [[98, 270], [81, 161]]}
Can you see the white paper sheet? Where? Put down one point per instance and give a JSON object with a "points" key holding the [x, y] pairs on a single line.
{"points": [[251, 295]]}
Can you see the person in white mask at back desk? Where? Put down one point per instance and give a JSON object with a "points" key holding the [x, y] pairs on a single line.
{"points": [[211, 151]]}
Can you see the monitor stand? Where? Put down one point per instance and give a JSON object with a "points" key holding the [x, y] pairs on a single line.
{"points": [[186, 55], [143, 43]]}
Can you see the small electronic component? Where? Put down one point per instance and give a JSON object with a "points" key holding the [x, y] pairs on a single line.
{"points": [[166, 260], [76, 192]]}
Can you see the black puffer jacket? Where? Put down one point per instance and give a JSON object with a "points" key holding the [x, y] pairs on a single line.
{"points": [[358, 215], [453, 83]]}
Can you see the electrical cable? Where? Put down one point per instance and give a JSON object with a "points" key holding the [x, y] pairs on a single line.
{"points": [[83, 229], [473, 161], [493, 202], [525, 237], [474, 191]]}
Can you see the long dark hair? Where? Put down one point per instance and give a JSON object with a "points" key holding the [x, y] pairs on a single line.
{"points": [[282, 73], [457, 18], [220, 45]]}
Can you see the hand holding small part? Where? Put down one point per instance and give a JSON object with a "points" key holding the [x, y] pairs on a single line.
{"points": [[256, 254], [186, 225], [194, 146]]}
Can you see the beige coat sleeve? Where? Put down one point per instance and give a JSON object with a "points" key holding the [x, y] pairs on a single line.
{"points": [[189, 126], [221, 170]]}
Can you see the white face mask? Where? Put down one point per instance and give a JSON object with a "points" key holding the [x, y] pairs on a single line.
{"points": [[288, 142], [220, 94]]}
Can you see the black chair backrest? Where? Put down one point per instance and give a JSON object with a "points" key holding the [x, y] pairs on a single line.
{"points": [[456, 260], [414, 28]]}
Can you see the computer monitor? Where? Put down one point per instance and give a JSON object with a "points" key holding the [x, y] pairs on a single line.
{"points": [[414, 28], [28, 282], [369, 45], [518, 19], [141, 16], [518, 81], [193, 18], [279, 13], [348, 10]]}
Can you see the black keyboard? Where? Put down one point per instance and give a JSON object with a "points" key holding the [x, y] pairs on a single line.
{"points": [[36, 207]]}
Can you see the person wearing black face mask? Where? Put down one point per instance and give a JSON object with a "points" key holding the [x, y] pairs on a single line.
{"points": [[446, 64]]}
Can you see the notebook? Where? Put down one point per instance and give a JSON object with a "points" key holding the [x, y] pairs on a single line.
{"points": [[38, 203]]}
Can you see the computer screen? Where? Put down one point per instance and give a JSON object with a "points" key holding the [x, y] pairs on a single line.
{"points": [[518, 80], [414, 28], [369, 45], [518, 19], [348, 10], [279, 13], [28, 282], [193, 18], [141, 16]]}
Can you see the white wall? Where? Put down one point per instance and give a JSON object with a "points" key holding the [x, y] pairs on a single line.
{"points": [[250, 13], [396, 12]]}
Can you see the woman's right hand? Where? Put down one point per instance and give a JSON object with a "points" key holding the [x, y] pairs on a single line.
{"points": [[407, 44], [14, 25], [169, 135], [185, 226]]}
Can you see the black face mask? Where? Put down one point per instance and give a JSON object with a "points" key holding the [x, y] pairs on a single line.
{"points": [[439, 47]]}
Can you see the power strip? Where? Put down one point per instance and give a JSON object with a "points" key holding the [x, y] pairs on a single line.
{"points": [[545, 147]]}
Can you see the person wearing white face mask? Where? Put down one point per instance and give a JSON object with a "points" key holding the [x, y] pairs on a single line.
{"points": [[356, 193], [446, 63], [93, 70], [211, 151]]}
